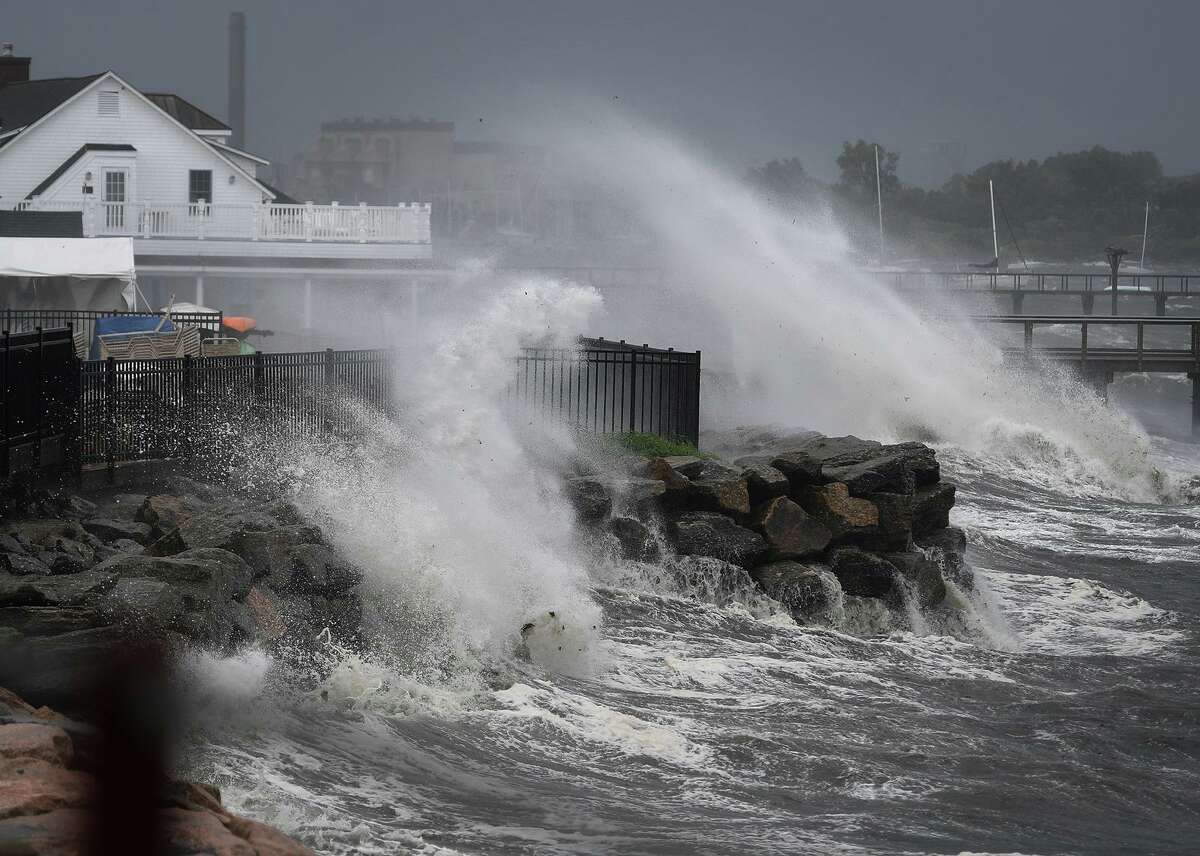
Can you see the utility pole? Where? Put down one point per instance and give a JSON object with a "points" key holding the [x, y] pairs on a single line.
{"points": [[879, 202], [1145, 232]]}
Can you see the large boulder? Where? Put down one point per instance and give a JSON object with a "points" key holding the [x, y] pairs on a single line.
{"points": [[590, 497], [706, 533], [107, 529], [167, 511], [634, 539], [717, 487], [948, 547], [763, 481], [22, 565], [218, 574], [894, 532], [796, 586], [789, 530], [842, 514], [313, 569], [222, 529], [63, 591], [263, 550], [800, 468], [931, 508], [671, 470], [866, 466], [862, 574], [924, 577]]}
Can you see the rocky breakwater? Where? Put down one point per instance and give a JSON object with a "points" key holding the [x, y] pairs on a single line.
{"points": [[187, 571], [57, 797], [873, 516]]}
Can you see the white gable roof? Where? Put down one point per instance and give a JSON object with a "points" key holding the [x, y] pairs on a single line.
{"points": [[110, 77]]}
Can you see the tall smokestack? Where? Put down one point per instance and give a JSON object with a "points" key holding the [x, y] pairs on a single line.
{"points": [[237, 78]]}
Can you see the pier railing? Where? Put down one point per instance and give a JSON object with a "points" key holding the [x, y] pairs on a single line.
{"points": [[406, 223], [1050, 283], [605, 387], [1134, 354]]}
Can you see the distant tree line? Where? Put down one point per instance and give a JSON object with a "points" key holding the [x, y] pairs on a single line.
{"points": [[1065, 207]]}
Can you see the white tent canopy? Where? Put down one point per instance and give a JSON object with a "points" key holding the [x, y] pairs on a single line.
{"points": [[72, 258]]}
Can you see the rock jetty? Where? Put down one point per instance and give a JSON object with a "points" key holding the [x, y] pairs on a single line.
{"points": [[876, 516]]}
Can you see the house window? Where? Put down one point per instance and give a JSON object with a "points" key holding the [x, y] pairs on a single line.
{"points": [[108, 102], [200, 186]]}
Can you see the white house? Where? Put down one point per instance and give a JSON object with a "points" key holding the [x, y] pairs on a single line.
{"points": [[161, 170]]}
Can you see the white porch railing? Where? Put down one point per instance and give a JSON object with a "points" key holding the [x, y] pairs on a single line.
{"points": [[400, 224]]}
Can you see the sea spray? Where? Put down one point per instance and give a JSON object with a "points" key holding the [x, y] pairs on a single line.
{"points": [[796, 333], [461, 528]]}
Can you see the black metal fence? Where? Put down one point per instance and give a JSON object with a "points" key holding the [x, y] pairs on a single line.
{"points": [[611, 388], [84, 320], [198, 407], [39, 383]]}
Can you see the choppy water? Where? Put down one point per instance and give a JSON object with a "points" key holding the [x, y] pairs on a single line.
{"points": [[1065, 720]]}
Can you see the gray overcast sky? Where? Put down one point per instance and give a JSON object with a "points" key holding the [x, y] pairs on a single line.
{"points": [[748, 81]]}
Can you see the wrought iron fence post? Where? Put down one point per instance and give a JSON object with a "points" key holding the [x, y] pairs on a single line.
{"points": [[39, 397], [75, 424], [187, 406], [695, 414], [327, 397], [4, 383], [259, 403], [632, 390], [110, 417]]}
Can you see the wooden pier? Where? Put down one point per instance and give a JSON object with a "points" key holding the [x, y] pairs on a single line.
{"points": [[1087, 286], [1098, 363]]}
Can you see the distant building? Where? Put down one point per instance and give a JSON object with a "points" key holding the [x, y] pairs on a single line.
{"points": [[475, 188]]}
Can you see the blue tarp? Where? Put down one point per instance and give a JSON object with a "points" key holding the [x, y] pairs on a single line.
{"points": [[126, 324]]}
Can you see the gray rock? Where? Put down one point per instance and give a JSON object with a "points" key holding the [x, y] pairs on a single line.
{"points": [[264, 550], [789, 530], [796, 586], [77, 506], [22, 565], [800, 467], [688, 466], [717, 487], [924, 576], [931, 508], [764, 482], [948, 547], [636, 541], [9, 544], [862, 574], [867, 467], [590, 497], [706, 533], [63, 563], [219, 573], [71, 590], [894, 532], [107, 529], [224, 529], [313, 568]]}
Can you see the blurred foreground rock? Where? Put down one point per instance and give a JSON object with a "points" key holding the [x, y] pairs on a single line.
{"points": [[49, 799]]}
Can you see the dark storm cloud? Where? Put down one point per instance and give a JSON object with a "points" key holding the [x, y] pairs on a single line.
{"points": [[747, 81]]}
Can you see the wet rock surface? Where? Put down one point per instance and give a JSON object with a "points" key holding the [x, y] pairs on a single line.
{"points": [[877, 515], [162, 567]]}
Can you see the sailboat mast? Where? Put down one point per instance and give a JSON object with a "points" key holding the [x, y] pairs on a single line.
{"points": [[1145, 232], [879, 201], [995, 243]]}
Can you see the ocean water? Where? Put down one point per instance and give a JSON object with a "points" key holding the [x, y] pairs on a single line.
{"points": [[1054, 709], [1060, 715]]}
